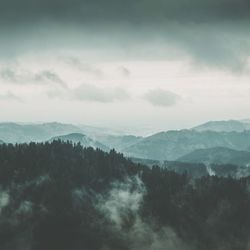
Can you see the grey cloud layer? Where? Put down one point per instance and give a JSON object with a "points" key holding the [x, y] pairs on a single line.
{"points": [[160, 97], [9, 96], [83, 66], [213, 33], [92, 93], [47, 75], [119, 10], [17, 76]]}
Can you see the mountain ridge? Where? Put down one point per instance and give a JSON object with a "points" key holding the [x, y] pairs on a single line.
{"points": [[84, 140], [217, 155], [172, 145], [224, 126]]}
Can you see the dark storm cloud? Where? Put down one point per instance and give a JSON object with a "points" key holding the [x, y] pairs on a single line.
{"points": [[213, 33], [120, 10]]}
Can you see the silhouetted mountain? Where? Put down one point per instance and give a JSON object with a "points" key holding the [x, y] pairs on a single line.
{"points": [[224, 126], [82, 139], [19, 133], [1, 142], [218, 155], [172, 145]]}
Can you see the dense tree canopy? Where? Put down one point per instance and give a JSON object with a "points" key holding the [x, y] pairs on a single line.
{"points": [[59, 196]]}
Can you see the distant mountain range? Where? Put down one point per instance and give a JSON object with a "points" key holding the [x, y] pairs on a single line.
{"points": [[19, 133], [213, 142], [172, 145], [93, 131], [82, 139], [224, 126]]}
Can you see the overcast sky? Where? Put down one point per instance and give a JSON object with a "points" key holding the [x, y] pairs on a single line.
{"points": [[160, 64]]}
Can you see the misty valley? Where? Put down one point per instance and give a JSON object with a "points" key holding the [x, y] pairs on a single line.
{"points": [[124, 125], [68, 187]]}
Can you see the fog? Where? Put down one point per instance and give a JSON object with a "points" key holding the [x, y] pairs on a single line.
{"points": [[61, 60]]}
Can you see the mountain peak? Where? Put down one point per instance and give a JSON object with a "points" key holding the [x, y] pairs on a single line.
{"points": [[84, 140], [225, 126]]}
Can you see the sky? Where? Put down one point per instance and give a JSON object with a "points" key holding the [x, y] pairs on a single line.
{"points": [[145, 64]]}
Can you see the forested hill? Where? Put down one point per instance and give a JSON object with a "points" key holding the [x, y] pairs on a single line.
{"points": [[59, 196]]}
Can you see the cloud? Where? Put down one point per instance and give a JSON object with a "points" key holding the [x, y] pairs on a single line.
{"points": [[83, 66], [123, 200], [214, 33], [4, 199], [20, 76], [92, 93], [121, 206], [118, 10], [218, 45], [160, 97], [9, 75], [9, 96], [125, 72], [48, 76]]}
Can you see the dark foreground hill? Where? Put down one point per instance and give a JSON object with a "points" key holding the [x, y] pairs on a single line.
{"points": [[56, 196], [84, 140]]}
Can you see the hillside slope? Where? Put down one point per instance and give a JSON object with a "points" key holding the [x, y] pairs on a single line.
{"points": [[59, 196], [218, 155], [172, 145], [19, 133], [84, 140]]}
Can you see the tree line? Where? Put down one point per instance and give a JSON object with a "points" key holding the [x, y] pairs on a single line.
{"points": [[59, 196]]}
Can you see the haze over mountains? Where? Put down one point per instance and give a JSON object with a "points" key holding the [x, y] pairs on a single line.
{"points": [[84, 140], [224, 126], [211, 142], [172, 145], [19, 133], [120, 143]]}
